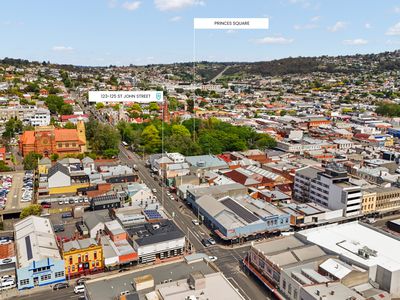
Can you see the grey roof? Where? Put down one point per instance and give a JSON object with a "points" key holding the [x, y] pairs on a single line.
{"points": [[206, 161], [87, 159], [100, 288], [149, 235], [78, 244], [69, 160], [216, 189], [58, 168], [92, 218], [45, 161], [309, 172]]}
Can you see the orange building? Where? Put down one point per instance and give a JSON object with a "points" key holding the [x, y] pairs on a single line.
{"points": [[46, 140]]}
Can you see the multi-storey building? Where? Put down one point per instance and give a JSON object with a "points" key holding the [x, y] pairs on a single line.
{"points": [[331, 188], [82, 257]]}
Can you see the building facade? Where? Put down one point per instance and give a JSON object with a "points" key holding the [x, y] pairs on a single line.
{"points": [[82, 257], [47, 140]]}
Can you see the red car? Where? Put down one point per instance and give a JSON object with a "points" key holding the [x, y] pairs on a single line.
{"points": [[46, 205]]}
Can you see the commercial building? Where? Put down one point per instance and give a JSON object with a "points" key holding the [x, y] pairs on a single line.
{"points": [[82, 257], [237, 218], [360, 245], [38, 258], [331, 188], [157, 241], [170, 281]]}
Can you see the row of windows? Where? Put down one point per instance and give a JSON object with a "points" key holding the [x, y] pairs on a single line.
{"points": [[66, 145], [59, 274], [24, 281], [85, 258], [41, 269], [45, 277]]}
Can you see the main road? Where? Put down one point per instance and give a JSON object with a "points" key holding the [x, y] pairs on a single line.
{"points": [[229, 260]]}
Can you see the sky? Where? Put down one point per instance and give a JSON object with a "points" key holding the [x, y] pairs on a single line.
{"points": [[141, 32]]}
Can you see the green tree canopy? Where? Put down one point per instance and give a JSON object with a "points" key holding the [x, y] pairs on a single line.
{"points": [[31, 210]]}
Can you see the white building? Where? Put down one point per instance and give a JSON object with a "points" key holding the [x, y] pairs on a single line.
{"points": [[331, 188], [362, 246], [40, 117]]}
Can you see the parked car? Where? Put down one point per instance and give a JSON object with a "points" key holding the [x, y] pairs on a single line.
{"points": [[79, 289], [66, 215], [205, 242], [196, 222], [59, 228], [211, 241], [212, 258], [81, 280], [61, 285]]}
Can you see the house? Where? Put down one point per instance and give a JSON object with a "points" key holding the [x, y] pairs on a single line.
{"points": [[38, 258], [58, 176]]}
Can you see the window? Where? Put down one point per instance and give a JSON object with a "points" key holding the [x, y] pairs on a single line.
{"points": [[70, 260], [86, 257], [59, 145], [79, 258], [73, 144], [66, 145], [95, 255], [45, 277], [284, 284], [59, 274], [73, 268], [290, 289], [295, 293], [24, 282]]}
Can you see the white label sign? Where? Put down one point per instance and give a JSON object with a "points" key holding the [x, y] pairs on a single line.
{"points": [[231, 23], [126, 96]]}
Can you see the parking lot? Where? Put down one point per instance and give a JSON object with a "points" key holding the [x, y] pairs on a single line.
{"points": [[14, 195]]}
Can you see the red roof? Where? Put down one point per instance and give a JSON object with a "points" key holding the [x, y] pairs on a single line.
{"points": [[68, 117]]}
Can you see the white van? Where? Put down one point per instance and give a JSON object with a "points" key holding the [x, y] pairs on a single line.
{"points": [[79, 289]]}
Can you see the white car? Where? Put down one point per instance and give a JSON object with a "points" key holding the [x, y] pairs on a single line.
{"points": [[154, 190], [79, 289], [212, 258], [195, 222], [61, 202]]}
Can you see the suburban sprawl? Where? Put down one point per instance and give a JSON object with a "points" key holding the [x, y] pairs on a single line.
{"points": [[268, 180]]}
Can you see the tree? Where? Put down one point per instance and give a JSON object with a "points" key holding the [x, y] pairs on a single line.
{"points": [[153, 106], [180, 130], [54, 157], [12, 127], [70, 125], [30, 161], [172, 103], [105, 137], [151, 139], [31, 210], [99, 105]]}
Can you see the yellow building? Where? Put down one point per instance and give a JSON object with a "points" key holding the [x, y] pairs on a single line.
{"points": [[387, 199], [82, 257], [368, 201], [389, 142]]}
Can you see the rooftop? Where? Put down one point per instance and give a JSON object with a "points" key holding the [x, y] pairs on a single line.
{"points": [[350, 238]]}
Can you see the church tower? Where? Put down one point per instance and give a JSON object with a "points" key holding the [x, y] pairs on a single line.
{"points": [[80, 127]]}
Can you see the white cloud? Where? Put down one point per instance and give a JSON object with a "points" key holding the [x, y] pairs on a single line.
{"points": [[367, 26], [131, 5], [394, 30], [277, 40], [176, 19], [62, 48], [304, 3], [396, 9], [355, 42], [305, 26], [164, 5], [339, 25], [315, 19]]}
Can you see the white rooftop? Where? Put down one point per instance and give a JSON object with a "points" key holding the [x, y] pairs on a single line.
{"points": [[346, 239], [34, 240]]}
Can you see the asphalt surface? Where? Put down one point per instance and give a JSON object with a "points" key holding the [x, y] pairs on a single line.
{"points": [[48, 294], [229, 259]]}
